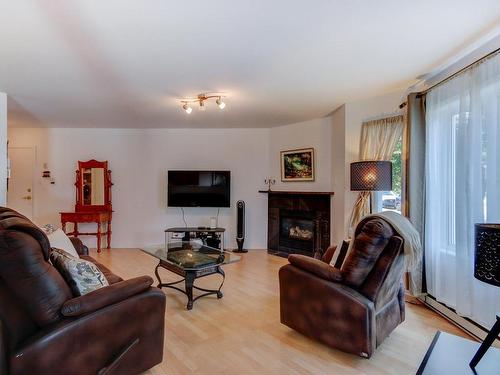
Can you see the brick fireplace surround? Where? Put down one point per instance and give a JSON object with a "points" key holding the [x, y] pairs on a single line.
{"points": [[298, 222]]}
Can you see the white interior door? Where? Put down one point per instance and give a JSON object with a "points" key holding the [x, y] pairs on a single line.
{"points": [[20, 190]]}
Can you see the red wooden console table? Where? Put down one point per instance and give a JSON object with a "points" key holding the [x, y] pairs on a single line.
{"points": [[100, 218], [93, 201]]}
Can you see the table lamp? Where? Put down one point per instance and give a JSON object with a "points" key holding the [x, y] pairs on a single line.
{"points": [[371, 175], [487, 269]]}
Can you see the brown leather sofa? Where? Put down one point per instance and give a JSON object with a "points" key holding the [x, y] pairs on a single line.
{"points": [[118, 329], [353, 308]]}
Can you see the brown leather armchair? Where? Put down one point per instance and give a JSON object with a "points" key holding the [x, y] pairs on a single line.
{"points": [[353, 308], [118, 329]]}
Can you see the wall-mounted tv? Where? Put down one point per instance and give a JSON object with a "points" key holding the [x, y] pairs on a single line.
{"points": [[199, 188]]}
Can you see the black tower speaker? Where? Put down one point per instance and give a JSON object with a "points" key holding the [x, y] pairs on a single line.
{"points": [[240, 226]]}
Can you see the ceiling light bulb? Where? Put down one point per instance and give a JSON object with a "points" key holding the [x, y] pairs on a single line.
{"points": [[187, 108], [202, 105], [220, 103]]}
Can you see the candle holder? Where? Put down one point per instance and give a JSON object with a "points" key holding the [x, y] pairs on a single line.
{"points": [[269, 182]]}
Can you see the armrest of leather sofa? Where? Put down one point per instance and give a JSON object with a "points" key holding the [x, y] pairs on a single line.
{"points": [[80, 248], [102, 336], [106, 296], [315, 266]]}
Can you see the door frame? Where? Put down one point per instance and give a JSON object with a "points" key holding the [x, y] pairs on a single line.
{"points": [[33, 174]]}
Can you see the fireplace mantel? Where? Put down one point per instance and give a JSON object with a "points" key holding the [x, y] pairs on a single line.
{"points": [[297, 192]]}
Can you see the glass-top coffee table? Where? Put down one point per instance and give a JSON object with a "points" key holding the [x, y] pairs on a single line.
{"points": [[191, 260]]}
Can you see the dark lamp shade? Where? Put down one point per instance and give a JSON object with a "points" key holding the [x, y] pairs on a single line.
{"points": [[371, 176], [487, 253]]}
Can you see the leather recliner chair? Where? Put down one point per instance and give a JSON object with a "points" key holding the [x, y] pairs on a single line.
{"points": [[352, 308], [118, 329]]}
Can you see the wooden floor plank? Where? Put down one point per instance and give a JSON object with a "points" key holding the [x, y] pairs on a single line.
{"points": [[241, 333]]}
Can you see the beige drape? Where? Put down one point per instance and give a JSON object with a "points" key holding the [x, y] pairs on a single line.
{"points": [[377, 142]]}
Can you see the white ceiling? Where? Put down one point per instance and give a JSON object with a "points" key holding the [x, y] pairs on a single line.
{"points": [[123, 63]]}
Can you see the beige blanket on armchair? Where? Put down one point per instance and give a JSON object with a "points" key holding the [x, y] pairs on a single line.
{"points": [[413, 250]]}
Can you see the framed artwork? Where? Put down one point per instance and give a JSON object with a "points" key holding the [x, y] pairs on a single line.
{"points": [[297, 165]]}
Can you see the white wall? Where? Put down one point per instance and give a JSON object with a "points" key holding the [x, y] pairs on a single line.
{"points": [[314, 133], [3, 149], [139, 160]]}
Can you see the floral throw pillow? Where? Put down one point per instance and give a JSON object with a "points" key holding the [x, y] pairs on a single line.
{"points": [[81, 275]]}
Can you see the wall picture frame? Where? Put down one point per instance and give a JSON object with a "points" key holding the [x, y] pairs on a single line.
{"points": [[297, 165]]}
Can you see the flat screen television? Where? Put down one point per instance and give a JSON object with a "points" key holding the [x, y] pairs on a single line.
{"points": [[199, 188]]}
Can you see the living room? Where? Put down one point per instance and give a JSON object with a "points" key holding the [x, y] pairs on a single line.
{"points": [[276, 104]]}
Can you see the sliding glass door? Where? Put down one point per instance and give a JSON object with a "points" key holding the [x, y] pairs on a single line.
{"points": [[462, 186]]}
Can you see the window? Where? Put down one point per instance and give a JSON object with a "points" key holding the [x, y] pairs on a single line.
{"points": [[393, 200]]}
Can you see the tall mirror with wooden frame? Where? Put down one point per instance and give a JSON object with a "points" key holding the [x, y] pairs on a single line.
{"points": [[93, 186]]}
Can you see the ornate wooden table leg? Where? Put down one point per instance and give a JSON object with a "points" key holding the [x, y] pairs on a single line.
{"points": [[190, 276], [99, 237], [109, 234]]}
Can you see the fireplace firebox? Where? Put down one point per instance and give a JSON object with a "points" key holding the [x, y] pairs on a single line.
{"points": [[297, 231], [298, 223]]}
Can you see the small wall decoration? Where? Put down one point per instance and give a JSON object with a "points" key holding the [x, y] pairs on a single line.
{"points": [[297, 165]]}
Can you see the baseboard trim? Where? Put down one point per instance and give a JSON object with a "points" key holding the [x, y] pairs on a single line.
{"points": [[471, 328]]}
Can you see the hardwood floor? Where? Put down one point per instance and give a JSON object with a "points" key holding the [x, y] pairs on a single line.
{"points": [[241, 333]]}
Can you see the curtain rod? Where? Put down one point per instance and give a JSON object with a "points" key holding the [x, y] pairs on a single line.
{"points": [[385, 116], [444, 80]]}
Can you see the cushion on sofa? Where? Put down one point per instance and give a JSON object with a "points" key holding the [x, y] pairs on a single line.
{"points": [[59, 240], [81, 275], [110, 276], [369, 243]]}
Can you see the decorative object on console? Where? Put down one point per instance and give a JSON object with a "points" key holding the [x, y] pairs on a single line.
{"points": [[297, 165], [200, 101], [240, 226], [213, 222], [487, 269], [371, 175], [269, 182], [93, 200]]}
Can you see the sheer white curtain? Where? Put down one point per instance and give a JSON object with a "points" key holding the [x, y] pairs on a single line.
{"points": [[462, 186]]}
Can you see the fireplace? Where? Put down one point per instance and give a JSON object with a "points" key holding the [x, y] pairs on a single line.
{"points": [[298, 223], [297, 231]]}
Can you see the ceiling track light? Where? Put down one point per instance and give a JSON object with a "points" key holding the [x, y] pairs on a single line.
{"points": [[220, 103], [200, 100], [187, 108]]}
